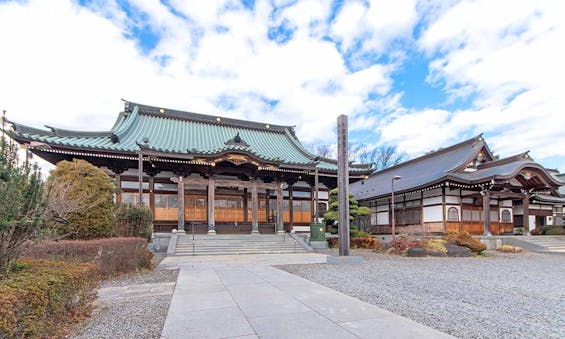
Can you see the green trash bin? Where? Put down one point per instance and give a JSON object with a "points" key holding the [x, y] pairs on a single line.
{"points": [[317, 232]]}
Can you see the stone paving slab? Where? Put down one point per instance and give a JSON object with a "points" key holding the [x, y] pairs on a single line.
{"points": [[244, 297], [136, 291]]}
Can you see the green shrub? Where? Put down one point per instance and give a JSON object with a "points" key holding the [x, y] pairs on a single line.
{"points": [[37, 300], [464, 239], [93, 190], [133, 221], [112, 256], [436, 247], [553, 230]]}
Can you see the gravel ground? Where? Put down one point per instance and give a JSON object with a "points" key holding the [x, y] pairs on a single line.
{"points": [[139, 317], [499, 296]]}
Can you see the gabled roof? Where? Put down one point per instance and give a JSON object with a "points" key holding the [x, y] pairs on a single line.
{"points": [[176, 132], [447, 164]]}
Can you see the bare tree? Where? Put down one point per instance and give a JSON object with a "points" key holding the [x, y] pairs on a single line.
{"points": [[381, 157]]}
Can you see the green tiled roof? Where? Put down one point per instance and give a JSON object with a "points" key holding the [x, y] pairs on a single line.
{"points": [[175, 132]]}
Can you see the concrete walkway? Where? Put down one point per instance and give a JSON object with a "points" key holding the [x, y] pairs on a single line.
{"points": [[244, 297]]}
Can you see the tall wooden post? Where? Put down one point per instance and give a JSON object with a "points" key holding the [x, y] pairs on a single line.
{"points": [[486, 212], [280, 220], [245, 206], [254, 208], [343, 185], [180, 186], [140, 179], [290, 209], [526, 213], [316, 194], [119, 184], [152, 194], [211, 206]]}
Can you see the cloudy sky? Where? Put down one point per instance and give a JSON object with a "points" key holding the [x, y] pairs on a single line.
{"points": [[416, 74]]}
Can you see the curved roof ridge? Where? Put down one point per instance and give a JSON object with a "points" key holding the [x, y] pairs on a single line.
{"points": [[506, 160], [204, 118], [431, 154], [61, 132]]}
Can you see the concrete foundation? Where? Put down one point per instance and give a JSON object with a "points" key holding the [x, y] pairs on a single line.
{"points": [[318, 244]]}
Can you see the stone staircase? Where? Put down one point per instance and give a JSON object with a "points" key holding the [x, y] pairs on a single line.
{"points": [[226, 244], [552, 244]]}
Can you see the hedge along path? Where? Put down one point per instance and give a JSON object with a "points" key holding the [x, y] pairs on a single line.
{"points": [[39, 297]]}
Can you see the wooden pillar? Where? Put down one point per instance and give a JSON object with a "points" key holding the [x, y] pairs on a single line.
{"points": [[119, 191], [268, 204], [280, 222], [343, 185], [181, 204], [443, 211], [211, 208], [140, 179], [290, 209], [486, 212], [152, 194], [254, 208], [245, 206], [526, 213]]}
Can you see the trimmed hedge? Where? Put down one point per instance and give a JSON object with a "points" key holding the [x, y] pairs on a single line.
{"points": [[360, 242], [553, 230], [39, 297], [111, 255]]}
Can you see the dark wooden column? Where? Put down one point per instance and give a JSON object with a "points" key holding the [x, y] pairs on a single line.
{"points": [[119, 186], [526, 213], [343, 185], [140, 179], [280, 220], [268, 204], [486, 212], [181, 203], [254, 208], [245, 206], [152, 194], [290, 210], [211, 206]]}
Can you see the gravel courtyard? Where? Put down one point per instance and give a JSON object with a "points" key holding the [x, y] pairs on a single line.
{"points": [[499, 296]]}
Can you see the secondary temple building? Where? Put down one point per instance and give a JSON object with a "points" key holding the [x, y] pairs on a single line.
{"points": [[462, 187], [207, 173]]}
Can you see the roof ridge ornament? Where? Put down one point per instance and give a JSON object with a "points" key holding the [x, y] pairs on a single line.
{"points": [[236, 141]]}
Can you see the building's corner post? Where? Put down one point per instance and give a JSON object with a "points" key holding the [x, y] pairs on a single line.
{"points": [[526, 213], [180, 186], [343, 185], [280, 220], [211, 205], [140, 178], [254, 208], [486, 212]]}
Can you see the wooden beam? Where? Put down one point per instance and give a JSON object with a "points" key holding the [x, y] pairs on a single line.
{"points": [[229, 183]]}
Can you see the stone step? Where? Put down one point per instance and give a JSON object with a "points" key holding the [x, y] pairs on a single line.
{"points": [[236, 253]]}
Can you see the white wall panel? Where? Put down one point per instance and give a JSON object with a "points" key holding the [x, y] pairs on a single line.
{"points": [[431, 193], [452, 199], [382, 218], [433, 213], [432, 201]]}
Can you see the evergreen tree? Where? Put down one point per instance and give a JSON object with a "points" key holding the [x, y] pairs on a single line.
{"points": [[331, 216]]}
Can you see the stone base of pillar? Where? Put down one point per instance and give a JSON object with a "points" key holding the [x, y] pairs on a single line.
{"points": [[281, 232], [181, 232], [255, 232], [211, 232]]}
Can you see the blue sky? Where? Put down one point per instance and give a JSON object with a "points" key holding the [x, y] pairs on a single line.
{"points": [[416, 74]]}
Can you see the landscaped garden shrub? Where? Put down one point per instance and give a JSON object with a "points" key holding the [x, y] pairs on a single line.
{"points": [[436, 247], [553, 230], [133, 221], [331, 216], [365, 242], [466, 240], [112, 255], [93, 190], [509, 249], [402, 243], [38, 297]]}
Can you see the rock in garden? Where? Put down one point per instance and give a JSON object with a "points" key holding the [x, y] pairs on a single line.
{"points": [[416, 252], [457, 251]]}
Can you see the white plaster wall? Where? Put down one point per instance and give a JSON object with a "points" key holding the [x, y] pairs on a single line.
{"points": [[465, 192], [452, 200], [322, 195], [494, 202], [433, 213], [382, 218], [549, 220], [432, 201], [431, 193], [547, 207], [467, 200], [373, 218], [130, 171], [506, 203], [447, 207], [532, 224]]}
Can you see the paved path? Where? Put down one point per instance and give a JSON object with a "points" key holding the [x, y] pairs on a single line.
{"points": [[549, 244], [244, 297]]}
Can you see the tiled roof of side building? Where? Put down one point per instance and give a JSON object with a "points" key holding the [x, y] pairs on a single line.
{"points": [[176, 132]]}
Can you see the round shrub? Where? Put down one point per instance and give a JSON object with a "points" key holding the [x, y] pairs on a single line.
{"points": [[93, 190]]}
